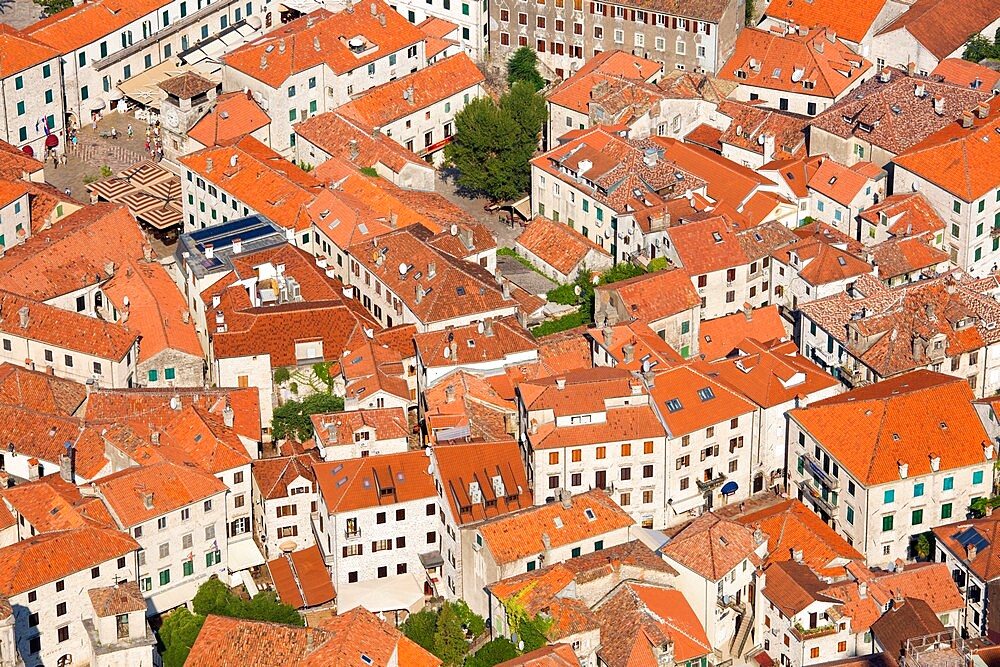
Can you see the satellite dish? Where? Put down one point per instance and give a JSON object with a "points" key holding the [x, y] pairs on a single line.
{"points": [[607, 233], [797, 75], [430, 469], [232, 161], [447, 353], [454, 230], [406, 94], [645, 366], [739, 129], [175, 403], [480, 327], [577, 290], [402, 269], [760, 139], [125, 301], [753, 63]]}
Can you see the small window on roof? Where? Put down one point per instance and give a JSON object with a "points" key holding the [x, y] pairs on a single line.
{"points": [[589, 513], [776, 73], [558, 521], [706, 394], [674, 404], [460, 290], [471, 343], [717, 237]]}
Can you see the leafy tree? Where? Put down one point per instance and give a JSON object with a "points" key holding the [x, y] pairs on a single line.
{"points": [[322, 371], [291, 420], [265, 606], [473, 622], [526, 107], [420, 628], [497, 651], [922, 546], [54, 6], [523, 66], [657, 264], [750, 13], [621, 271], [214, 597], [449, 639], [177, 634], [281, 375], [482, 151], [979, 47]]}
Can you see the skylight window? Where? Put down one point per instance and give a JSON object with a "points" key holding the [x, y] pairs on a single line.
{"points": [[776, 73], [841, 261], [589, 513], [460, 290], [706, 394], [717, 237], [558, 521], [674, 404], [470, 343]]}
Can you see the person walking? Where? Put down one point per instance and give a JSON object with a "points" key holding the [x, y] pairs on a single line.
{"points": [[114, 133], [130, 130], [55, 160]]}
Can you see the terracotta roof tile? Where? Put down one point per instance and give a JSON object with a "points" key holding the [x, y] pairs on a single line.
{"points": [[301, 578], [557, 245], [985, 561], [338, 428], [40, 392], [28, 564], [585, 390], [463, 399], [119, 599], [906, 214], [273, 475], [712, 546], [172, 486], [908, 618], [334, 134], [637, 421], [702, 400], [521, 534], [654, 296], [964, 73], [839, 182], [19, 51], [433, 84], [372, 481], [906, 418], [848, 22], [721, 335], [51, 504], [898, 257], [83, 24], [792, 587], [554, 655], [497, 471], [225, 642], [321, 38], [503, 338], [15, 163], [818, 57], [233, 116], [186, 85], [787, 131], [943, 26], [707, 245]]}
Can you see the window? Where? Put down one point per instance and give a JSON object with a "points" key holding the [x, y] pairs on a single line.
{"points": [[956, 206], [814, 652], [168, 374], [208, 505], [380, 517], [164, 550], [918, 517], [887, 522], [647, 471], [850, 515], [63, 633], [599, 545], [601, 452], [165, 577], [68, 360], [977, 477], [949, 483], [152, 375], [32, 619], [946, 511], [576, 455], [35, 645], [888, 496], [61, 609], [187, 567], [918, 490], [626, 474], [60, 586]]}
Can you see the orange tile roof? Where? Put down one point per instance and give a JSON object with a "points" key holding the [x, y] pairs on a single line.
{"points": [[522, 534], [373, 481], [712, 546], [148, 409], [641, 342], [273, 475], [428, 86], [301, 578], [635, 422], [838, 182], [771, 374], [19, 51], [473, 403], [897, 257], [819, 58], [86, 23], [957, 159], [557, 245], [849, 22], [338, 428], [943, 26], [657, 295], [749, 123], [461, 465], [707, 245], [155, 308], [38, 391], [704, 401], [233, 116], [964, 73], [638, 619], [433, 26], [62, 328], [906, 214], [205, 440], [334, 134], [12, 190], [585, 390], [72, 254], [790, 525], [118, 599], [321, 38], [705, 135], [720, 335], [821, 258], [554, 655], [15, 163], [985, 562], [172, 486], [792, 587], [888, 114], [42, 559], [903, 419], [51, 504], [498, 340], [260, 177]]}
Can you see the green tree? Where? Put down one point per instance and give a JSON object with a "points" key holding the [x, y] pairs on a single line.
{"points": [[482, 151], [526, 107], [750, 13], [282, 375], [497, 651], [54, 6], [979, 47], [922, 546], [473, 622], [322, 371], [420, 628], [523, 66], [291, 420], [449, 639], [177, 635], [214, 597], [265, 606]]}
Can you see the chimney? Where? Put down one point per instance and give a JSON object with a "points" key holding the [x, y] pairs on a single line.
{"points": [[449, 394], [918, 89], [748, 312], [281, 46], [831, 36], [904, 469], [431, 270], [628, 353], [66, 465], [454, 351], [970, 551], [636, 389], [310, 21], [147, 253], [228, 415], [374, 9], [649, 378], [988, 450], [935, 462], [797, 555], [393, 219], [209, 165], [768, 147], [209, 251], [419, 293], [263, 61], [175, 402], [505, 289], [186, 317], [381, 20], [560, 383], [34, 470], [862, 589], [237, 246], [488, 326], [567, 498], [982, 110], [355, 151], [23, 312], [154, 437], [967, 119], [409, 96], [546, 541], [885, 76], [911, 68], [988, 510], [609, 335], [939, 105], [316, 46], [465, 234], [147, 499]]}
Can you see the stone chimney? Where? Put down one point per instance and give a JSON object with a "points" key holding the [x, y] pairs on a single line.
{"points": [[982, 110], [967, 119], [546, 541], [147, 253], [355, 151], [316, 45], [560, 383], [381, 20], [628, 353], [904, 469], [419, 293], [862, 589], [209, 165], [454, 351], [409, 96], [154, 437], [988, 510], [465, 235], [938, 105], [935, 462], [281, 46], [431, 270], [609, 335], [970, 551], [147, 499], [649, 378], [911, 68], [505, 289], [209, 251], [66, 465], [237, 246], [797, 555], [488, 326], [24, 314], [228, 415], [263, 61], [768, 147], [748, 312], [449, 394], [566, 498], [34, 470]]}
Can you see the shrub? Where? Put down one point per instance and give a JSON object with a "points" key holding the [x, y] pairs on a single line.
{"points": [[282, 375], [497, 651]]}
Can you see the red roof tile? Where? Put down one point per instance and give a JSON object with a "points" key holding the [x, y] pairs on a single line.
{"points": [[943, 26], [500, 338], [172, 486], [19, 51], [301, 578], [555, 655], [712, 546], [338, 428], [557, 245], [985, 560], [721, 335], [703, 401], [849, 22], [372, 481], [40, 392], [459, 466], [15, 163], [233, 116], [355, 143], [273, 475], [118, 599], [83, 24], [964, 73], [654, 296]]}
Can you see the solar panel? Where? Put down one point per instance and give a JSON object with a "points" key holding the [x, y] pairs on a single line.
{"points": [[973, 537]]}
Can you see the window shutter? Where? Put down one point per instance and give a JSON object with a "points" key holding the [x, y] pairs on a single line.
{"points": [[591, 8], [345, 552], [633, 15], [605, 10], [650, 18], [673, 20], [708, 28]]}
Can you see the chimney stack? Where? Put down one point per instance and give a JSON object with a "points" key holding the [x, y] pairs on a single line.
{"points": [[316, 46], [797, 555], [628, 353], [23, 313], [381, 20], [748, 311], [34, 470], [154, 437], [431, 270], [228, 415], [904, 469], [609, 335], [66, 464], [449, 394], [982, 110], [967, 119], [560, 383], [209, 165], [147, 499], [911, 68], [970, 551], [488, 326], [237, 246], [355, 151], [935, 462], [209, 251], [147, 253], [454, 351], [567, 498]]}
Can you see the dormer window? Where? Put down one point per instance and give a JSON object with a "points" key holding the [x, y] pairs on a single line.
{"points": [[741, 74]]}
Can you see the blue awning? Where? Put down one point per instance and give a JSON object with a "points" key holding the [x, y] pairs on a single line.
{"points": [[729, 488]]}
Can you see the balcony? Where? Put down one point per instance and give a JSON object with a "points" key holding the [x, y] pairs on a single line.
{"points": [[852, 377], [815, 468], [352, 534], [813, 494], [802, 633], [712, 483]]}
